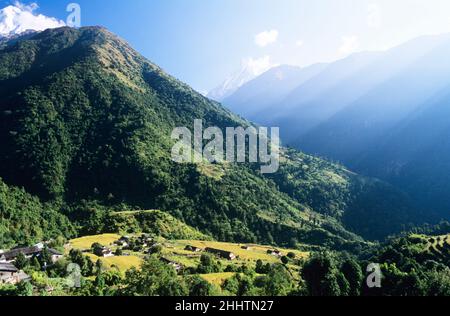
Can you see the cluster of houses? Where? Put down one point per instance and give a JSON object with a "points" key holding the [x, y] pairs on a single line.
{"points": [[217, 252], [228, 255], [143, 241], [147, 242], [9, 274], [275, 252], [177, 266], [223, 254], [104, 252]]}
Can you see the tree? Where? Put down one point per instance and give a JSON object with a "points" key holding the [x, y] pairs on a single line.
{"points": [[246, 286], [344, 285], [174, 288], [438, 283], [412, 285], [45, 257], [278, 282], [354, 275], [21, 261], [156, 249], [99, 284], [231, 285], [112, 277], [85, 263], [319, 275], [35, 264], [293, 242], [199, 287], [99, 266], [291, 255], [207, 264], [59, 269], [155, 278], [260, 267], [24, 289], [331, 286], [97, 249]]}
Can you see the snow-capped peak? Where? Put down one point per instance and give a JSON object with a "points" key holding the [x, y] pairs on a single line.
{"points": [[251, 68]]}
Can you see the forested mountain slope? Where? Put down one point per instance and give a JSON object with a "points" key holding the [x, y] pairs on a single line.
{"points": [[84, 117]]}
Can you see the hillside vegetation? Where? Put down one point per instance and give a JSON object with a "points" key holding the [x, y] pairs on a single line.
{"points": [[24, 219], [85, 125]]}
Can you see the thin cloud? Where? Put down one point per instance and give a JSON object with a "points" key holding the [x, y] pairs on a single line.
{"points": [[266, 38], [257, 66]]}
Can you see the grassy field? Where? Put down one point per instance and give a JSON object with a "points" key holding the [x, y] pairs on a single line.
{"points": [[86, 242], [256, 252], [216, 172], [122, 263], [217, 278]]}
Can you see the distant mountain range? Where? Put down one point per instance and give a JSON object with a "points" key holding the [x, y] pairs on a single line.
{"points": [[384, 114]]}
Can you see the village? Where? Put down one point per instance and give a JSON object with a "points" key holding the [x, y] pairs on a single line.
{"points": [[128, 251], [10, 274], [180, 254]]}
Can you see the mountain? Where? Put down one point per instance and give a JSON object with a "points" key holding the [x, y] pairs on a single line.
{"points": [[301, 106], [250, 69], [254, 98], [85, 126], [398, 130], [230, 85], [382, 114], [304, 99]]}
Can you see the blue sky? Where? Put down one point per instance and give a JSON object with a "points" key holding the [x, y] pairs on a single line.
{"points": [[203, 41]]}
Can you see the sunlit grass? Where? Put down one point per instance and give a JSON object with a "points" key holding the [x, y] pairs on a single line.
{"points": [[86, 242]]}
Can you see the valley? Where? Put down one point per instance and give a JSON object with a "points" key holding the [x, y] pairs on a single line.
{"points": [[87, 178], [381, 114]]}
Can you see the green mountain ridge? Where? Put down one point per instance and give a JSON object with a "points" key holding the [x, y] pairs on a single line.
{"points": [[84, 117]]}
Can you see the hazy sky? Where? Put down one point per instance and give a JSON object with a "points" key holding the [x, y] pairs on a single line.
{"points": [[203, 41]]}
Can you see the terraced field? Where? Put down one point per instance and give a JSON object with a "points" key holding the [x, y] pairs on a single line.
{"points": [[250, 255], [217, 278], [439, 246], [86, 242], [121, 263], [174, 250], [432, 247]]}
